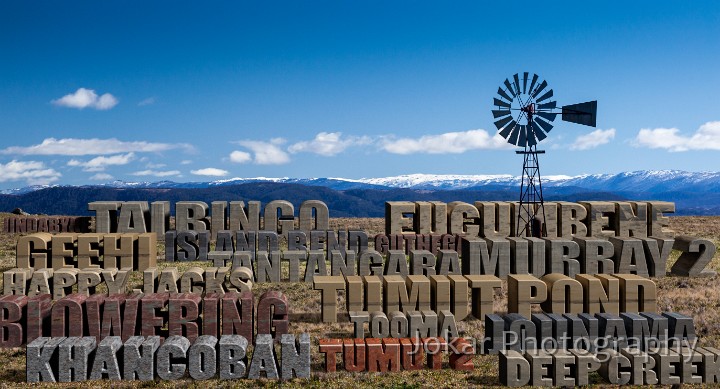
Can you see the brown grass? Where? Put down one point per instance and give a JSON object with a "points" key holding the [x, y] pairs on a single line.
{"points": [[699, 297]]}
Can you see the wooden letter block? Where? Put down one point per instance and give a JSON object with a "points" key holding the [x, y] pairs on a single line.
{"points": [[354, 293], [637, 294], [514, 369], [524, 290], [630, 256], [329, 285], [483, 293], [63, 251], [599, 215], [565, 294], [657, 221], [631, 219], [88, 247], [399, 217], [600, 294], [570, 217], [459, 296], [32, 251]]}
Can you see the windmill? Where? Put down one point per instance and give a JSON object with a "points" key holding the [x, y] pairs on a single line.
{"points": [[524, 113]]}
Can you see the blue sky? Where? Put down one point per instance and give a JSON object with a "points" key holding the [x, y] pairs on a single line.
{"points": [[92, 91]]}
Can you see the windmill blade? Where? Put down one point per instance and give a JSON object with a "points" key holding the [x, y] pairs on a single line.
{"points": [[509, 87], [506, 131], [502, 93], [546, 96], [500, 112], [537, 132], [501, 103], [522, 140], [539, 89], [502, 122], [582, 113], [548, 105], [545, 125], [547, 115], [525, 77], [534, 80], [517, 83], [513, 139]]}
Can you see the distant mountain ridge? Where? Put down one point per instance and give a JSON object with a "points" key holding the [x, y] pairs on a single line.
{"points": [[695, 193], [642, 180]]}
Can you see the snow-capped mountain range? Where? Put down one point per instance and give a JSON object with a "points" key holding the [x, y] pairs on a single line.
{"points": [[637, 181]]}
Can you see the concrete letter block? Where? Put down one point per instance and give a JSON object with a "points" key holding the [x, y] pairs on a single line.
{"points": [[106, 359], [232, 357], [73, 356], [202, 361], [263, 359], [139, 358], [41, 356], [174, 347], [295, 356]]}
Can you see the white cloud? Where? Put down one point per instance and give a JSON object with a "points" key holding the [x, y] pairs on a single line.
{"points": [[593, 139], [240, 157], [99, 164], [84, 98], [33, 172], [210, 171], [707, 137], [185, 162], [151, 165], [102, 177], [328, 144], [447, 143], [148, 101], [267, 153], [157, 173], [93, 146]]}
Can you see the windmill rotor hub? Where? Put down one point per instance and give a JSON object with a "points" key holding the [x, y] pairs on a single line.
{"points": [[529, 109]]}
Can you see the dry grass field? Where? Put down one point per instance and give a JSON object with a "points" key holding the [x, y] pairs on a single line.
{"points": [[699, 298]]}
